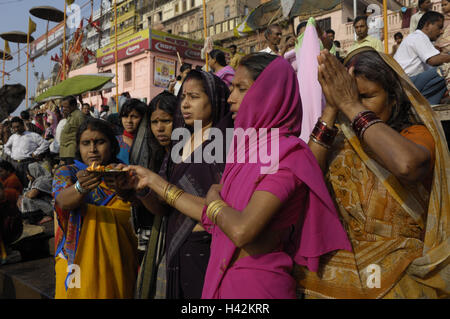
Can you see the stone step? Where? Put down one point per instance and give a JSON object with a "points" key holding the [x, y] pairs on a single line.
{"points": [[34, 279]]}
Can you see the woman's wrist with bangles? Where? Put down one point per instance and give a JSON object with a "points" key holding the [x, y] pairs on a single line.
{"points": [[362, 121], [172, 194], [80, 189], [214, 209], [323, 134]]}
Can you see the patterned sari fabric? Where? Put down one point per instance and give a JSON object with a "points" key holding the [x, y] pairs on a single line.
{"points": [[98, 238], [69, 222], [399, 233]]}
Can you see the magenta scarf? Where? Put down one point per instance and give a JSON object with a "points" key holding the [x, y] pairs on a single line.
{"points": [[274, 101]]}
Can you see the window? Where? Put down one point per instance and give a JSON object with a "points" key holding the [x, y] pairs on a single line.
{"points": [[192, 3], [324, 24], [227, 12], [149, 21], [211, 18], [245, 10], [160, 16], [184, 5], [127, 72], [176, 8]]}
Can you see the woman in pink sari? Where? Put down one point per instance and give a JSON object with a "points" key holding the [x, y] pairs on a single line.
{"points": [[266, 222], [262, 221]]}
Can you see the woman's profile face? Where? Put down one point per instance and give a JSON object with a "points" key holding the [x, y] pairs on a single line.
{"points": [[242, 82], [95, 147], [374, 97], [131, 121], [445, 6], [161, 125], [195, 104]]}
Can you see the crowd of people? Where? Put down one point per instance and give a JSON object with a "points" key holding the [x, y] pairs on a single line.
{"points": [[367, 188]]}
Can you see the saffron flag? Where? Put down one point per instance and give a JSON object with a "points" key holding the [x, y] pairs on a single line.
{"points": [[31, 26], [7, 49], [69, 2]]}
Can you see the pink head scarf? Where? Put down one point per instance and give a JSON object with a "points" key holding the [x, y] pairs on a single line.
{"points": [[311, 91], [53, 126], [274, 101]]}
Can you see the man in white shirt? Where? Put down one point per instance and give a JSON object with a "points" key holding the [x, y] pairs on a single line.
{"points": [[424, 6], [24, 148], [273, 35], [419, 58]]}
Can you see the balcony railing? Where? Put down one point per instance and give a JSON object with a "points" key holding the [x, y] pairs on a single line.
{"points": [[218, 28]]}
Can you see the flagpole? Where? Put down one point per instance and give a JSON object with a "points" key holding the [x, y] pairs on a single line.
{"points": [[386, 40], [64, 45], [206, 33], [115, 56], [4, 62], [28, 59]]}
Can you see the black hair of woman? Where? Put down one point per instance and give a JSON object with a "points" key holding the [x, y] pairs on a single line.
{"points": [[105, 128], [133, 104], [219, 56]]}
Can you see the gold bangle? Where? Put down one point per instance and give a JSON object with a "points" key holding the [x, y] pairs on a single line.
{"points": [[216, 213], [214, 208], [171, 194], [175, 197], [211, 207], [166, 188]]}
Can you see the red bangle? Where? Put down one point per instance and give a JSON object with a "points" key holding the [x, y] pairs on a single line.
{"points": [[323, 135], [363, 121]]}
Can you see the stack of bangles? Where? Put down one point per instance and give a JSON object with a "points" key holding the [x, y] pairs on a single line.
{"points": [[363, 121], [171, 194], [323, 135], [214, 209], [80, 189]]}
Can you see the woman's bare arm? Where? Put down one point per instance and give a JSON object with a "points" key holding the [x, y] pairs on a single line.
{"points": [[406, 160]]}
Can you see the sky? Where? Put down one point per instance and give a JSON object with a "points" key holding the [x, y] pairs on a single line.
{"points": [[14, 16]]}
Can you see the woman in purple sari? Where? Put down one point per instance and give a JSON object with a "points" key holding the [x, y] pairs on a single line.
{"points": [[181, 269]]}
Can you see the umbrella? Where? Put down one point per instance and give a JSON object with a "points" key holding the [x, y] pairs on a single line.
{"points": [[5, 56], [16, 37], [76, 85], [271, 11], [49, 14], [107, 86]]}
